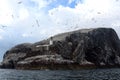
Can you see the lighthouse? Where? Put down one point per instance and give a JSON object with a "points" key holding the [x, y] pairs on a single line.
{"points": [[51, 41]]}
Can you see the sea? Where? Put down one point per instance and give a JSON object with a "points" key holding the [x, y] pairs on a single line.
{"points": [[89, 74]]}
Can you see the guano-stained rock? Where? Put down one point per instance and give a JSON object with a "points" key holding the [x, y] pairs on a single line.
{"points": [[97, 47]]}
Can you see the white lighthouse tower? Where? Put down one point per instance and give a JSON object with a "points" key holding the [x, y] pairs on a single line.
{"points": [[51, 41]]}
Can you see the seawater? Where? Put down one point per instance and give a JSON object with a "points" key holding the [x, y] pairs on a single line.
{"points": [[93, 74]]}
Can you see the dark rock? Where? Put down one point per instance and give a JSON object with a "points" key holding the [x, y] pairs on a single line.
{"points": [[94, 47], [43, 61]]}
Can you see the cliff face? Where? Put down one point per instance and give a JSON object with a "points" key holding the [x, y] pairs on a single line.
{"points": [[89, 47]]}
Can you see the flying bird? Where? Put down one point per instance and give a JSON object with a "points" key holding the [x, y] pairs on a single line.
{"points": [[3, 26], [37, 23], [98, 12], [12, 16], [32, 25], [20, 2], [76, 27], [93, 19]]}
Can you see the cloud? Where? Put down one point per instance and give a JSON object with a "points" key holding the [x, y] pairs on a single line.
{"points": [[26, 35], [97, 13], [70, 1], [43, 3], [32, 17], [2, 31], [5, 18], [23, 13], [60, 18], [34, 20]]}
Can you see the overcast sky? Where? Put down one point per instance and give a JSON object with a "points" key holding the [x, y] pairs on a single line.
{"points": [[33, 20]]}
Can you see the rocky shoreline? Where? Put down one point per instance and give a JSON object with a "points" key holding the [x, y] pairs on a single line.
{"points": [[85, 48], [52, 62]]}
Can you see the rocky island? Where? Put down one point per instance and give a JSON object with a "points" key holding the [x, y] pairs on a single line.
{"points": [[85, 48]]}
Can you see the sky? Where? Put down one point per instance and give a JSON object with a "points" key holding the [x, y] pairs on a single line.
{"points": [[30, 21]]}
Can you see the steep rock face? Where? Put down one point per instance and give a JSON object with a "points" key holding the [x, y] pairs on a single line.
{"points": [[15, 54], [98, 47]]}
